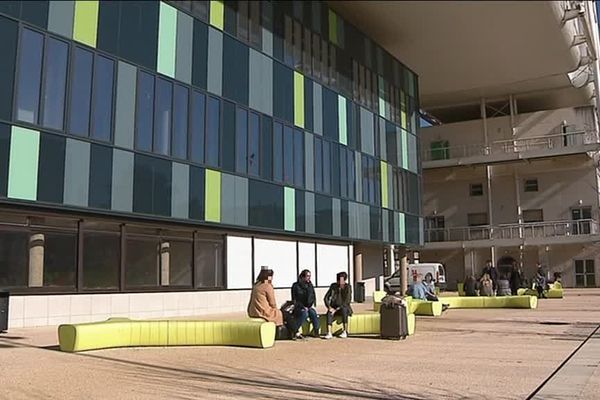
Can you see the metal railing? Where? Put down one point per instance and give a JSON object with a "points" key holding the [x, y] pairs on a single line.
{"points": [[514, 231], [546, 142]]}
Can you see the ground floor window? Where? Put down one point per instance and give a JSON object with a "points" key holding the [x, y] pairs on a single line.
{"points": [[80, 254], [585, 273]]}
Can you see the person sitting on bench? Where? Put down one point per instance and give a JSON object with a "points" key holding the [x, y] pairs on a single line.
{"points": [[337, 300], [419, 291], [303, 296]]}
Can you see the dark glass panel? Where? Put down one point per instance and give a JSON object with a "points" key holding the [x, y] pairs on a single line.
{"points": [[197, 128], [81, 92], [144, 125]]}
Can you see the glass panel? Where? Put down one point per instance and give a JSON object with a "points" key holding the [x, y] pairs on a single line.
{"points": [[141, 266], [288, 155], [197, 131], [180, 122], [14, 256], [144, 111], [326, 167], [101, 260], [255, 28], [589, 266], [299, 158], [277, 152], [241, 141], [180, 263], [208, 262], [288, 43], [30, 71], [579, 269], [297, 37], [253, 144], [266, 151], [81, 92], [200, 9], [343, 172], [60, 259], [57, 53], [213, 123], [242, 15], [351, 174], [162, 116], [590, 280], [579, 281], [318, 165], [103, 98]]}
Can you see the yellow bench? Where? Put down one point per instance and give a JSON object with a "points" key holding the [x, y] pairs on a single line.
{"points": [[417, 307], [555, 291], [123, 332], [490, 302], [367, 323]]}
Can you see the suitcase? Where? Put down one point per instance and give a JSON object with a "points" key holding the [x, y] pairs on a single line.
{"points": [[393, 321]]}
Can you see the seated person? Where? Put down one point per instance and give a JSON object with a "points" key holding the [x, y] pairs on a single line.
{"points": [[337, 300], [303, 296], [540, 282], [263, 305], [429, 283], [486, 286], [470, 286], [418, 290], [503, 286]]}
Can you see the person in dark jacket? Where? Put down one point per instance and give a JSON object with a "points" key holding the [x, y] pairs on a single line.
{"points": [[540, 281], [515, 279], [470, 286], [491, 270], [303, 296], [337, 300]]}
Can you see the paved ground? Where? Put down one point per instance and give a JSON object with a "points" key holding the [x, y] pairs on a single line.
{"points": [[465, 354]]}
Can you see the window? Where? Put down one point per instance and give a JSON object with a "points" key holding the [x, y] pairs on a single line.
{"points": [[477, 219], [162, 116], [144, 112], [318, 164], [277, 152], [208, 262], [288, 155], [180, 122], [266, 149], [57, 54], [213, 129], [142, 255], [255, 27], [241, 140], [176, 260], [476, 189], [585, 273], [197, 128], [29, 76], [298, 158], [253, 144], [103, 98], [101, 257], [326, 167], [533, 216], [14, 257], [531, 185]]}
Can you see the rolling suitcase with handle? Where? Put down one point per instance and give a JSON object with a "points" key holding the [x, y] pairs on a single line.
{"points": [[394, 320]]}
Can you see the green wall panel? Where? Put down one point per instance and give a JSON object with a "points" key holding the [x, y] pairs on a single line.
{"points": [[289, 201], [401, 226], [298, 99], [333, 30], [384, 184], [167, 40], [342, 120], [23, 164], [212, 196], [404, 149], [217, 11], [85, 24]]}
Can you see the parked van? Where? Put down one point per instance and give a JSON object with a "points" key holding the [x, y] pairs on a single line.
{"points": [[435, 269]]}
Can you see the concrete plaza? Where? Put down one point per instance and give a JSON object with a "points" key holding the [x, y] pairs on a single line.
{"points": [[465, 354]]}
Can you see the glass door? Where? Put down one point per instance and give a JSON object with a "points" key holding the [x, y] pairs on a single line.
{"points": [[585, 274], [581, 220]]}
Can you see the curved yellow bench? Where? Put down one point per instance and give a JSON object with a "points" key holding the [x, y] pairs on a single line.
{"points": [[490, 302], [424, 307], [123, 332], [367, 323], [555, 291]]}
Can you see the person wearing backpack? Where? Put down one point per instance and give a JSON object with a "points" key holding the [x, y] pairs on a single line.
{"points": [[337, 300], [303, 296], [486, 286]]}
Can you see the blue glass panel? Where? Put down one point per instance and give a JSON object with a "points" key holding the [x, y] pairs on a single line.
{"points": [[30, 71], [197, 128], [144, 111], [162, 116], [81, 92], [241, 140], [57, 54], [180, 122], [103, 98]]}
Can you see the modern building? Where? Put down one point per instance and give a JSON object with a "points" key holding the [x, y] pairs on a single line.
{"points": [[154, 155], [511, 165]]}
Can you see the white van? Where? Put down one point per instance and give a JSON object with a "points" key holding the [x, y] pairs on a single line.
{"points": [[436, 270]]}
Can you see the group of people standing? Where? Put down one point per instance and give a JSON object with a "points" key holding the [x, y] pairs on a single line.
{"points": [[503, 283], [303, 304]]}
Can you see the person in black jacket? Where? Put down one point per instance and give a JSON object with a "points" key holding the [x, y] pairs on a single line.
{"points": [[337, 300], [515, 279], [470, 286], [303, 296]]}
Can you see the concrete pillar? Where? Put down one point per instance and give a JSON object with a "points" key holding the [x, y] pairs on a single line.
{"points": [[358, 268], [404, 273], [391, 259], [36, 260], [165, 263]]}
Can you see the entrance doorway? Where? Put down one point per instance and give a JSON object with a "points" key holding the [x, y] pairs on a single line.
{"points": [[585, 273], [581, 220]]}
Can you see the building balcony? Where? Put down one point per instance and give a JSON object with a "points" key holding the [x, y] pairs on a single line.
{"points": [[535, 233], [510, 150]]}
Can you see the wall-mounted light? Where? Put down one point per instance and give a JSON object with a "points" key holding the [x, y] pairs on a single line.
{"points": [[547, 248], [580, 202]]}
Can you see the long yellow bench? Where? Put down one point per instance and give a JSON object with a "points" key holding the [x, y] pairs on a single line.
{"points": [[367, 323], [555, 291], [123, 332], [417, 307], [491, 302]]}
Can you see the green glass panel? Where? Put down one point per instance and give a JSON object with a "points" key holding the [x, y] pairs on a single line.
{"points": [[85, 24], [298, 99], [212, 196], [217, 11], [290, 209], [342, 120], [23, 164], [167, 38]]}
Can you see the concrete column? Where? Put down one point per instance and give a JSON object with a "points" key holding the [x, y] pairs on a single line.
{"points": [[165, 263], [358, 268], [392, 259], [36, 260], [404, 273]]}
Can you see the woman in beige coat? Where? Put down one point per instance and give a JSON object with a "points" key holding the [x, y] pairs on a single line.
{"points": [[262, 300]]}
